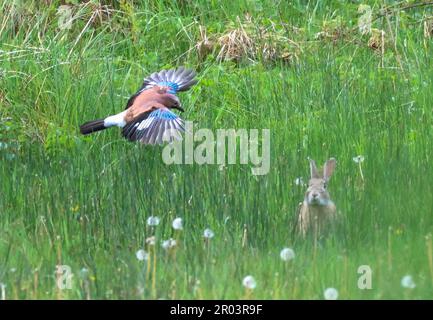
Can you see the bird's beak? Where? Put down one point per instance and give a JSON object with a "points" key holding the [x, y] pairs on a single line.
{"points": [[179, 108]]}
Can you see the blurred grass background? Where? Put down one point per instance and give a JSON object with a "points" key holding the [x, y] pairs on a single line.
{"points": [[321, 87]]}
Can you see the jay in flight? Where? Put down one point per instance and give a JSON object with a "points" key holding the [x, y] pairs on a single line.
{"points": [[148, 113]]}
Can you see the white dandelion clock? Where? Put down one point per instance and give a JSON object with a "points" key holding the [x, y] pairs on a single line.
{"points": [[177, 224], [150, 241], [299, 181], [2, 291], [331, 294], [142, 255], [287, 254], [358, 159], [249, 282], [152, 221], [168, 244], [407, 282], [208, 233]]}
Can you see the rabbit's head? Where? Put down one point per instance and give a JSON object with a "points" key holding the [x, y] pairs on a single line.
{"points": [[317, 194]]}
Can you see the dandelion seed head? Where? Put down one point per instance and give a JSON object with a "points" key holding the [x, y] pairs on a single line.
{"points": [[331, 294], [2, 291], [177, 224], [142, 255], [358, 159], [287, 254], [208, 233], [152, 221], [249, 282], [299, 181], [407, 282], [150, 241], [168, 244]]}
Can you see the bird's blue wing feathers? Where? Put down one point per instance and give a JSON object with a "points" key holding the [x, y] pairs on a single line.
{"points": [[174, 87], [163, 114], [179, 79]]}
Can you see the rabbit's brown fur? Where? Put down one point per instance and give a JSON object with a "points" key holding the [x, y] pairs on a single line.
{"points": [[317, 212]]}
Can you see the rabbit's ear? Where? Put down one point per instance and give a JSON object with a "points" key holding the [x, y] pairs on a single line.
{"points": [[328, 168], [313, 169]]}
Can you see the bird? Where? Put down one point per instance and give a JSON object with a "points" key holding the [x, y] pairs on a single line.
{"points": [[148, 113]]}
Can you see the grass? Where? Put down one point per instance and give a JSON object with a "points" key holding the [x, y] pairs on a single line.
{"points": [[84, 201]]}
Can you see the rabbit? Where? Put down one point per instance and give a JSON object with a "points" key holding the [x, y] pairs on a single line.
{"points": [[317, 212]]}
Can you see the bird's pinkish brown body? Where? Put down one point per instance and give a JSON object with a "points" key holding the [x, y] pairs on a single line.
{"points": [[148, 117], [150, 99]]}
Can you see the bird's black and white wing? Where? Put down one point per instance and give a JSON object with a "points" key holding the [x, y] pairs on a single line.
{"points": [[154, 127]]}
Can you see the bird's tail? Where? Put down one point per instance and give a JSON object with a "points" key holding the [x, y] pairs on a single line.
{"points": [[92, 126]]}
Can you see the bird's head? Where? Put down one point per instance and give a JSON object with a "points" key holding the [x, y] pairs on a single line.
{"points": [[175, 102], [172, 101], [168, 99]]}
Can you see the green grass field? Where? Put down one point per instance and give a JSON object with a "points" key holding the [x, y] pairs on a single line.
{"points": [[322, 88]]}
